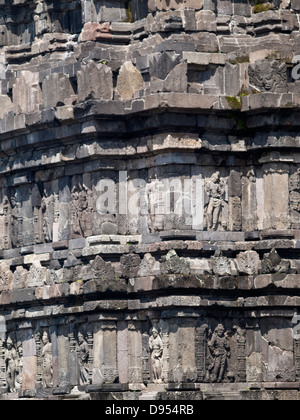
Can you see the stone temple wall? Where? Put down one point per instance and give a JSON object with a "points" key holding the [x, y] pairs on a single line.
{"points": [[150, 199]]}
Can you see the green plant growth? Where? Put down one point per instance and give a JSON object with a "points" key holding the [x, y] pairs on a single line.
{"points": [[261, 7], [240, 120], [241, 123], [239, 60], [129, 18], [234, 102]]}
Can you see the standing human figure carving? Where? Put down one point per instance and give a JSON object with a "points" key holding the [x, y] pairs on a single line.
{"points": [[84, 354], [215, 189], [11, 365], [220, 351], [156, 349], [47, 357]]}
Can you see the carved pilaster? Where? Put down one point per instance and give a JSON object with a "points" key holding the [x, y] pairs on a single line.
{"points": [[201, 345], [39, 359], [135, 352], [2, 364], [90, 341], [73, 357], [241, 343], [146, 358], [297, 358], [109, 367]]}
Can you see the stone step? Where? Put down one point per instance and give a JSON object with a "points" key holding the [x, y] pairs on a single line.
{"points": [[148, 396], [231, 396], [222, 395]]}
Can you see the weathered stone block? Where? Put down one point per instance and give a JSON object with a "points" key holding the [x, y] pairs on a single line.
{"points": [[95, 82], [57, 90], [93, 31], [129, 81]]}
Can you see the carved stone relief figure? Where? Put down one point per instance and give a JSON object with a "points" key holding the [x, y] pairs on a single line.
{"points": [[82, 209], [47, 371], [19, 278], [6, 276], [7, 218], [156, 349], [219, 350], [11, 365], [37, 214], [50, 212], [15, 221], [47, 217], [41, 18], [87, 196], [76, 212], [84, 354], [215, 190], [19, 378], [294, 193]]}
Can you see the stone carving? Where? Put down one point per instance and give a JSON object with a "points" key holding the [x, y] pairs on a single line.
{"points": [[241, 356], [47, 371], [294, 195], [273, 263], [41, 18], [47, 225], [12, 364], [15, 221], [37, 214], [201, 351], [223, 266], [215, 189], [77, 208], [19, 377], [50, 212], [7, 217], [174, 264], [37, 275], [20, 278], [249, 202], [268, 76], [82, 210], [84, 354], [220, 351], [248, 262], [102, 270], [156, 349], [6, 276]]}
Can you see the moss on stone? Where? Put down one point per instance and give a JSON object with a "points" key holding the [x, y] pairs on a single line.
{"points": [[128, 12], [234, 102], [239, 60], [260, 7]]}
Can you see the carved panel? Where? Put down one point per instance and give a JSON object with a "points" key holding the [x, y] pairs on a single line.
{"points": [[201, 351], [216, 211]]}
